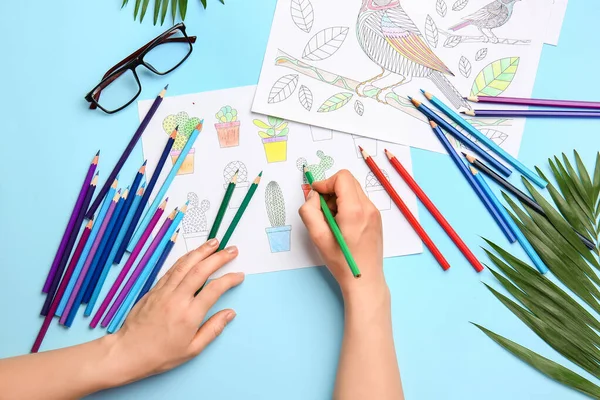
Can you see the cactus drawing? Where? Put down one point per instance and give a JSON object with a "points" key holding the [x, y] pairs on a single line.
{"points": [[318, 170], [242, 182], [195, 225], [274, 134], [186, 126], [279, 234], [377, 193], [228, 127]]}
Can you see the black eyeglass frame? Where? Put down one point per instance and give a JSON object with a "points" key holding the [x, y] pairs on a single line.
{"points": [[135, 60]]}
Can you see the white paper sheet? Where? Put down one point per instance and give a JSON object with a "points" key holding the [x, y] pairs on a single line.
{"points": [[555, 23], [315, 47], [207, 172]]}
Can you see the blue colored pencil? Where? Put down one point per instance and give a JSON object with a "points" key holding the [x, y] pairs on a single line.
{"points": [[533, 255], [130, 212], [132, 295], [165, 186], [463, 123], [461, 138], [471, 179], [159, 264], [139, 178], [130, 227]]}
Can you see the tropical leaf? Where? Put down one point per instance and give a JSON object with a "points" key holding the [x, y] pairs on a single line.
{"points": [[441, 8], [283, 88], [335, 102], [452, 41], [431, 32], [325, 43], [459, 5], [160, 9], [359, 107], [496, 77], [481, 54], [464, 66], [306, 97], [303, 14]]}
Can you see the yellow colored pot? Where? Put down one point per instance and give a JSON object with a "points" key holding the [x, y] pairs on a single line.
{"points": [[276, 149]]}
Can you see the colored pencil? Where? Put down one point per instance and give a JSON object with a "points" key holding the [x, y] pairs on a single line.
{"points": [[240, 212], [139, 268], [159, 264], [518, 101], [95, 237], [103, 267], [130, 212], [533, 113], [142, 205], [63, 286], [145, 273], [165, 186], [414, 223], [223, 208], [138, 179], [517, 193], [460, 137], [130, 261], [533, 256], [71, 225], [439, 217], [471, 180], [130, 146], [335, 229], [463, 123]]}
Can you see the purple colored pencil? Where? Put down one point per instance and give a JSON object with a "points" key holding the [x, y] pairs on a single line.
{"points": [[77, 209], [138, 270], [533, 113], [136, 137], [519, 101]]}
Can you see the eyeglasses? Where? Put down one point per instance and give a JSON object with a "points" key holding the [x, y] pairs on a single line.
{"points": [[121, 85]]}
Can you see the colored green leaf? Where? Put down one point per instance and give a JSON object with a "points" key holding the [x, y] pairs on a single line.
{"points": [[144, 9], [165, 8], [261, 124], [496, 77], [335, 102], [182, 8]]}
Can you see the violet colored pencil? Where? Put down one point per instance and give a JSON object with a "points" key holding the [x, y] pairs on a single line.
{"points": [[520, 101], [125, 270], [136, 137], [533, 113], [71, 224], [138, 270]]}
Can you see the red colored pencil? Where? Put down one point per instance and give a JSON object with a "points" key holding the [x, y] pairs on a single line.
{"points": [[434, 211], [405, 210], [63, 286]]}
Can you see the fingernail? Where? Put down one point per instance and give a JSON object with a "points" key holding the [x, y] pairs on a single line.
{"points": [[230, 316], [310, 194], [212, 242], [231, 249]]}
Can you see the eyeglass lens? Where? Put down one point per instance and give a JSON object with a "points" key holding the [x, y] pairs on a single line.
{"points": [[123, 89]]}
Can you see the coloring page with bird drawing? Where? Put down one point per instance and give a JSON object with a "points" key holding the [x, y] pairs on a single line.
{"points": [[270, 235], [360, 60]]}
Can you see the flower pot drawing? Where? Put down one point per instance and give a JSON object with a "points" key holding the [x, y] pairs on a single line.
{"points": [[306, 190], [188, 164], [279, 234], [194, 224], [228, 134], [376, 192], [370, 145], [241, 187], [276, 149], [320, 134], [194, 240]]}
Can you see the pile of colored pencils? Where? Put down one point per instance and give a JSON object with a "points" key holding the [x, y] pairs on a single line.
{"points": [[554, 108]]}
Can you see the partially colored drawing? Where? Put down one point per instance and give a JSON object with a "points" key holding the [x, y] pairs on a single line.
{"points": [[318, 170], [377, 193], [195, 226], [279, 234], [186, 126], [242, 182], [274, 134], [370, 145], [228, 127]]}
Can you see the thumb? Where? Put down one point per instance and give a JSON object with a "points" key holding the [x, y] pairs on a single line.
{"points": [[211, 330]]}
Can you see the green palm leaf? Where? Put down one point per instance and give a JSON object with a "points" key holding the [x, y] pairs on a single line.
{"points": [[161, 7]]}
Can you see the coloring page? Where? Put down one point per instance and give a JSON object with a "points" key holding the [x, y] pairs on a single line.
{"points": [[271, 235], [557, 16], [359, 60]]}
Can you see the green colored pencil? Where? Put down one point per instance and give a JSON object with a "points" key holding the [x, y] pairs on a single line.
{"points": [[334, 228], [240, 212], [217, 224]]}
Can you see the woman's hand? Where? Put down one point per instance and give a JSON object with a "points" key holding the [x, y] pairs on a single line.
{"points": [[165, 328]]}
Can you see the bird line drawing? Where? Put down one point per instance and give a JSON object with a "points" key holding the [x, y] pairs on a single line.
{"points": [[492, 16]]}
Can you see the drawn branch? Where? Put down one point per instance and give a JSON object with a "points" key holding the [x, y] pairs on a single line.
{"points": [[453, 40]]}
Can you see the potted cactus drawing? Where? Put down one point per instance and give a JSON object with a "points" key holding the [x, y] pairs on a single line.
{"points": [[186, 126], [320, 134], [241, 188], [317, 170], [228, 127], [195, 226], [274, 134], [279, 234], [370, 145], [376, 192]]}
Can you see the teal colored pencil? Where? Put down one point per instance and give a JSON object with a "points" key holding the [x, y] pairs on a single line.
{"points": [[165, 186], [141, 280], [463, 123], [127, 221], [533, 256]]}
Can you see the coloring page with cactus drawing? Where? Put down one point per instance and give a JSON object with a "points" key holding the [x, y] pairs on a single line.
{"points": [[350, 65], [236, 143]]}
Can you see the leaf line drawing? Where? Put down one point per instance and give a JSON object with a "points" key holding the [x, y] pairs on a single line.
{"points": [[431, 32], [495, 77], [359, 107], [325, 43], [283, 88], [335, 102], [459, 5], [306, 97], [481, 54], [303, 14], [441, 8], [464, 66]]}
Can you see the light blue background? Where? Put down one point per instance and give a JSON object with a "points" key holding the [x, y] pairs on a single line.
{"points": [[285, 341]]}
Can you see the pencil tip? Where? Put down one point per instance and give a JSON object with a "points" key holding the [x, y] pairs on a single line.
{"points": [[97, 173], [98, 153], [410, 98], [260, 175], [433, 124], [360, 148], [145, 162], [166, 87], [423, 91]]}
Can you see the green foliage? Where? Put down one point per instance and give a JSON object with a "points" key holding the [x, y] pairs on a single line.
{"points": [[185, 125], [317, 170], [275, 127], [161, 7], [227, 114], [275, 204], [550, 312]]}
